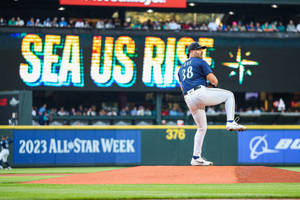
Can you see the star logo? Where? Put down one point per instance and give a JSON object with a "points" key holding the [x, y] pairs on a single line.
{"points": [[240, 64]]}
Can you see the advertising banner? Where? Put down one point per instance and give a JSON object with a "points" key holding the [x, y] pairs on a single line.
{"points": [[269, 146], [72, 146], [128, 3]]}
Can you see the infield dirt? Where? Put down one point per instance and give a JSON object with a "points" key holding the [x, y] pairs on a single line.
{"points": [[181, 175]]}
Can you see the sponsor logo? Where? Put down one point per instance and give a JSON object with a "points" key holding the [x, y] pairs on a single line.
{"points": [[3, 101], [13, 102], [259, 145]]}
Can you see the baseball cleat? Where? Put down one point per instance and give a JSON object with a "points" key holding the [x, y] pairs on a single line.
{"points": [[200, 162], [233, 126]]}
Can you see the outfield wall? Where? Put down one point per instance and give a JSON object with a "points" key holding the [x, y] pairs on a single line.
{"points": [[150, 145]]}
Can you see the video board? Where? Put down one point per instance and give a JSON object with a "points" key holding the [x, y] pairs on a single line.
{"points": [[142, 62]]}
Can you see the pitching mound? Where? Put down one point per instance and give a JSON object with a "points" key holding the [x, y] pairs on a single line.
{"points": [[181, 175]]}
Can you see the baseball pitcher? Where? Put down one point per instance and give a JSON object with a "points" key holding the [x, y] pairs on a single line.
{"points": [[193, 75]]}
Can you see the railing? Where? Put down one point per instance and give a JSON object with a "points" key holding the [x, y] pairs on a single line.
{"points": [[217, 118]]}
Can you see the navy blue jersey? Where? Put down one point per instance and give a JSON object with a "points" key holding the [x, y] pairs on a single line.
{"points": [[5, 143], [192, 73]]}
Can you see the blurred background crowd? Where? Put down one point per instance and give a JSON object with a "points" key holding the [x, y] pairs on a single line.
{"points": [[149, 24]]}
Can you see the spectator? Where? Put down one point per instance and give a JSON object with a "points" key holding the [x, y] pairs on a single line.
{"points": [[62, 112], [148, 112], [156, 25], [62, 22], [126, 25], [291, 27], [19, 22], [164, 112], [203, 27], [186, 26], [274, 26], [298, 27], [80, 110], [281, 105], [73, 112], [179, 112], [47, 22], [281, 27], [38, 23], [234, 27], [2, 21], [100, 24], [12, 22], [90, 112], [194, 26], [256, 110], [258, 27], [34, 113], [133, 111], [124, 111], [223, 27], [102, 112], [137, 25], [251, 27], [42, 109], [30, 22], [241, 26], [210, 110], [141, 111], [249, 111], [266, 27], [145, 26], [43, 115], [109, 24], [212, 26], [164, 25], [79, 23], [173, 112], [54, 22], [117, 23], [111, 112], [173, 25]]}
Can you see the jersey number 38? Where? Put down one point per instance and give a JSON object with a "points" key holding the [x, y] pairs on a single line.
{"points": [[187, 73]]}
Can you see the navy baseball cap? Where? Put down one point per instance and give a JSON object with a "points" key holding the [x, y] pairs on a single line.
{"points": [[195, 46]]}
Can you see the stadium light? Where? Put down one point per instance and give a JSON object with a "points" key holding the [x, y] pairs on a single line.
{"points": [[150, 11], [61, 8]]}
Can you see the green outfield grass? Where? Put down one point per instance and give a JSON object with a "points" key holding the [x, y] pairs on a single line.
{"points": [[10, 188]]}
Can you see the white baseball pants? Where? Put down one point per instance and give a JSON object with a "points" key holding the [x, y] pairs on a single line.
{"points": [[196, 101], [4, 154]]}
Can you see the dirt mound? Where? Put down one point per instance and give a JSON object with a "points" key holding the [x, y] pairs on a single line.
{"points": [[181, 175]]}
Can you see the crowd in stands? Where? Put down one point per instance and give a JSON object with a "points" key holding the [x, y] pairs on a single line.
{"points": [[234, 26], [45, 115]]}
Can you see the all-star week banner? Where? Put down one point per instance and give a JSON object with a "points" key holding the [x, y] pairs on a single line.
{"points": [[142, 61]]}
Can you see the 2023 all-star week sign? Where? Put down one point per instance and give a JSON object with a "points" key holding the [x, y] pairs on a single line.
{"points": [[128, 3]]}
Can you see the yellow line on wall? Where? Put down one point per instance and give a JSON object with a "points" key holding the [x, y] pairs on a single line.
{"points": [[272, 127]]}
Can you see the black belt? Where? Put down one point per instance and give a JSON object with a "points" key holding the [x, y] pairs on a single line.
{"points": [[195, 88]]}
